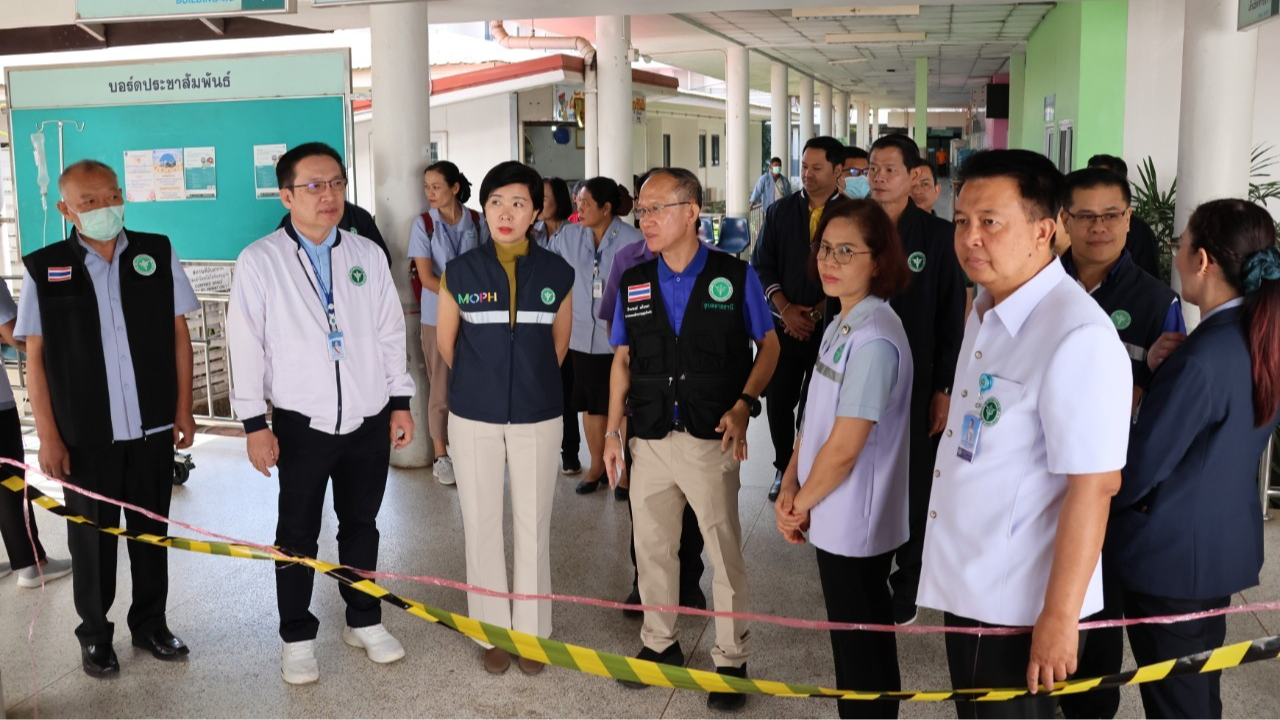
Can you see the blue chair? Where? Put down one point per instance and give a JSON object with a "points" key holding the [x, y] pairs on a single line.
{"points": [[735, 235], [706, 230]]}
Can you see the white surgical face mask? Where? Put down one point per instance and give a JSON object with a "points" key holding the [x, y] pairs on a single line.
{"points": [[103, 223], [775, 169], [857, 187]]}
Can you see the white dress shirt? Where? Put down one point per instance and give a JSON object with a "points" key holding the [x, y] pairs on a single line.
{"points": [[1057, 402]]}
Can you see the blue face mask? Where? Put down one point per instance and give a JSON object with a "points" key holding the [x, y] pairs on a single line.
{"points": [[857, 187], [103, 224]]}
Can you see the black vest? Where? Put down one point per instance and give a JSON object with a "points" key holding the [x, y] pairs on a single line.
{"points": [[704, 369], [72, 335], [503, 374]]}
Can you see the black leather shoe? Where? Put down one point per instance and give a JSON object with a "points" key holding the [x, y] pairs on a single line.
{"points": [[99, 660], [621, 494], [776, 488], [586, 487], [728, 702], [693, 599], [162, 644], [633, 599], [671, 656]]}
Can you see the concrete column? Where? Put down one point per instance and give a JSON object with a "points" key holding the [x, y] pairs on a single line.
{"points": [[780, 115], [922, 103], [806, 112], [824, 109], [864, 124], [841, 128], [613, 44], [738, 170], [1017, 95], [401, 151], [875, 127], [1218, 69]]}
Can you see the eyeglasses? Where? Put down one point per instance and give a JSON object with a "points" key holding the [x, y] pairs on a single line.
{"points": [[859, 172], [843, 254], [315, 188], [643, 212], [1088, 219]]}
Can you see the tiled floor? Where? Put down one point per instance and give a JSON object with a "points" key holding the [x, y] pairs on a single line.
{"points": [[224, 608]]}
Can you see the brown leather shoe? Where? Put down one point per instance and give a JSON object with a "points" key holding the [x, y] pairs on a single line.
{"points": [[497, 660], [529, 667]]}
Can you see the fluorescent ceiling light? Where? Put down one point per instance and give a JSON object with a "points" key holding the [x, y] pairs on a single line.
{"points": [[844, 11], [846, 61], [889, 37]]}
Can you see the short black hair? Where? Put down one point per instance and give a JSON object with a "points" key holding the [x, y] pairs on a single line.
{"points": [[1094, 177], [1039, 182], [853, 152], [933, 172], [688, 187], [287, 166], [512, 172], [605, 190], [833, 148], [560, 194], [775, 159], [1115, 164], [906, 146]]}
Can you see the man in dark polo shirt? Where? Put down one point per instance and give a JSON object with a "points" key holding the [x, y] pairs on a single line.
{"points": [[1096, 214], [932, 312]]}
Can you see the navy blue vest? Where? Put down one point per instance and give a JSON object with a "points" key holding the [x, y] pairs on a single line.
{"points": [[504, 374]]}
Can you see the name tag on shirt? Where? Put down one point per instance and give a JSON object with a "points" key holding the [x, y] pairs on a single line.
{"points": [[970, 431], [597, 289], [337, 346]]}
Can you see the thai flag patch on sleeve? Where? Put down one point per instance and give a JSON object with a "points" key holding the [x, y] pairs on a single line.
{"points": [[59, 274], [637, 293]]}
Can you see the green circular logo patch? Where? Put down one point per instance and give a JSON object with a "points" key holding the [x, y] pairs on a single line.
{"points": [[548, 296], [916, 261], [721, 289], [839, 352], [990, 412], [1121, 319], [145, 265], [357, 275]]}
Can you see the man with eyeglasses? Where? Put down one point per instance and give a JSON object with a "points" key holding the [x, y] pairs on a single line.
{"points": [[1096, 212], [315, 328], [1141, 240], [932, 311]]}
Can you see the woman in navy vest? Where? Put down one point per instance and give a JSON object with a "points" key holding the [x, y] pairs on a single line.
{"points": [[503, 327], [1185, 532], [847, 480], [443, 233]]}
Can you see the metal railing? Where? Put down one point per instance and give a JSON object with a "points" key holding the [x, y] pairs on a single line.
{"points": [[206, 344]]}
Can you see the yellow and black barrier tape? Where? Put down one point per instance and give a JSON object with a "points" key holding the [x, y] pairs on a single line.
{"points": [[618, 667]]}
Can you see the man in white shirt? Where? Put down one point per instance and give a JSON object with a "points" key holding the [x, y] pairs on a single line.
{"points": [[315, 327], [1018, 514]]}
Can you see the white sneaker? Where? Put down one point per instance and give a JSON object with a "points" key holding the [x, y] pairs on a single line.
{"points": [[5, 569], [31, 576], [443, 470], [378, 644], [298, 664]]}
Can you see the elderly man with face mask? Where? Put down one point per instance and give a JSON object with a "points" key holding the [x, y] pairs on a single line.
{"points": [[109, 378]]}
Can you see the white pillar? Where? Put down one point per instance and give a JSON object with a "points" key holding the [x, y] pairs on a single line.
{"points": [[824, 109], [806, 112], [738, 171], [864, 124], [875, 127], [841, 128], [780, 115], [613, 44], [401, 151], [1218, 68]]}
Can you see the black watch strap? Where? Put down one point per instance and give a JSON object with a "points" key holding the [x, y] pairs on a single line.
{"points": [[753, 404]]}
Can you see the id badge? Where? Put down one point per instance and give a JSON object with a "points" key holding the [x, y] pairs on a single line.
{"points": [[337, 347], [970, 430], [597, 289]]}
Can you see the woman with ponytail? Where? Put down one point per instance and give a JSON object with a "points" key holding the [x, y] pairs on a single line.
{"points": [[1186, 528]]}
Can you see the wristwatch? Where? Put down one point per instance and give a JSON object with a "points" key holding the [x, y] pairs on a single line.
{"points": [[753, 404]]}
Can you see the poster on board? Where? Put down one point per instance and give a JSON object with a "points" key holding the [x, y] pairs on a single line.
{"points": [[200, 166], [265, 158], [166, 168], [139, 178]]}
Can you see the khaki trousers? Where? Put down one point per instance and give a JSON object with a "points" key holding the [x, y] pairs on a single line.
{"points": [[483, 453], [667, 474], [438, 383]]}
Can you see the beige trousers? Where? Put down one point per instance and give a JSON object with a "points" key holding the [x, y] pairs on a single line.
{"points": [[483, 453], [667, 474], [438, 382]]}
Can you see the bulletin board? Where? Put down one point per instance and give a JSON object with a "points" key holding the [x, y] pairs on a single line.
{"points": [[219, 209]]}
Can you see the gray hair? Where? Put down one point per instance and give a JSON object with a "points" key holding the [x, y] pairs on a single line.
{"points": [[85, 166], [688, 188]]}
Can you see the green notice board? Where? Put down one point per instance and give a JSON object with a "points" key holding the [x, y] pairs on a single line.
{"points": [[201, 229]]}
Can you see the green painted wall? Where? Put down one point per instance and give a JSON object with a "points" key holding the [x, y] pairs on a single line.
{"points": [[1017, 95], [1077, 54]]}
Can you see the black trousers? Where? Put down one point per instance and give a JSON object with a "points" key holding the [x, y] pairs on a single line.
{"points": [[905, 581], [139, 472], [13, 524], [1186, 696], [1103, 654], [786, 391], [571, 442], [357, 462], [856, 590], [999, 661], [691, 543]]}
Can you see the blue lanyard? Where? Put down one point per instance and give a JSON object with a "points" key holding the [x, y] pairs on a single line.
{"points": [[326, 290], [454, 244]]}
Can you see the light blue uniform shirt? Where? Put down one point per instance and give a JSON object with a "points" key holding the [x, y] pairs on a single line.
{"points": [[122, 385], [320, 256], [872, 370], [445, 243], [591, 266], [8, 311]]}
